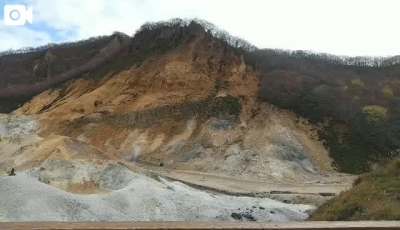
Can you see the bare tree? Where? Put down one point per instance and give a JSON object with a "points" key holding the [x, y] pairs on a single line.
{"points": [[50, 58]]}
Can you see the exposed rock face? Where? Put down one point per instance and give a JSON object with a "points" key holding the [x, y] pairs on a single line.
{"points": [[193, 107]]}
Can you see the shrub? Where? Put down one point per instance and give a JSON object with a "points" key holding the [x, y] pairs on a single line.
{"points": [[357, 82], [387, 91], [375, 196], [375, 113]]}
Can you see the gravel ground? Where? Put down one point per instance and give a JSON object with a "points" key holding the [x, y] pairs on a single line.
{"points": [[24, 198]]}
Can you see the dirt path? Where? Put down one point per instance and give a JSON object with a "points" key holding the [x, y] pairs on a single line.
{"points": [[235, 186], [306, 193]]}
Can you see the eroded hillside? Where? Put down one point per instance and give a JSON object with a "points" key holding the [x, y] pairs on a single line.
{"points": [[194, 107]]}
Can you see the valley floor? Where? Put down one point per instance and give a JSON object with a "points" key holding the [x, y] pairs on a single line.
{"points": [[314, 193], [25, 198]]}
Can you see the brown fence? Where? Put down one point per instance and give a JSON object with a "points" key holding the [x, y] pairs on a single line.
{"points": [[323, 225]]}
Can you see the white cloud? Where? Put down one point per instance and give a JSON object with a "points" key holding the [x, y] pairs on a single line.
{"points": [[356, 27], [15, 37], [93, 18]]}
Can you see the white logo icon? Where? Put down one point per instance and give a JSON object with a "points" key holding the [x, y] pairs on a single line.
{"points": [[17, 15]]}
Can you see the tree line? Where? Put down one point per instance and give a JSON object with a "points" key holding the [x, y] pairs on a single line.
{"points": [[235, 42], [62, 45], [101, 56]]}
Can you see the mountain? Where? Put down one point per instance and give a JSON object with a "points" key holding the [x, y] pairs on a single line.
{"points": [[184, 100], [320, 87]]}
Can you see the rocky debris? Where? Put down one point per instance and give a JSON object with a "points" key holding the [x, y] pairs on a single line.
{"points": [[255, 213], [12, 173], [252, 214], [241, 216]]}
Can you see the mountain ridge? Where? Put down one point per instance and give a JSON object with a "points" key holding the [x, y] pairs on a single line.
{"points": [[316, 86]]}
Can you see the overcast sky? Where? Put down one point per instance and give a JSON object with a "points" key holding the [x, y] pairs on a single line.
{"points": [[344, 27]]}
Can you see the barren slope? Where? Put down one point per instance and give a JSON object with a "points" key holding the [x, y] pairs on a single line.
{"points": [[192, 108]]}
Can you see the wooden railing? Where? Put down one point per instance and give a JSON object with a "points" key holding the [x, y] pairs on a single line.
{"points": [[323, 225]]}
